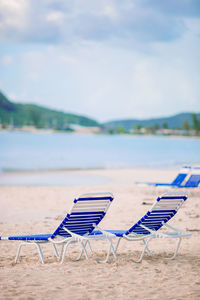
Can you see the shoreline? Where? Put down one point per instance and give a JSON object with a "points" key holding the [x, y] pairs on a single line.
{"points": [[57, 170], [86, 177], [52, 131]]}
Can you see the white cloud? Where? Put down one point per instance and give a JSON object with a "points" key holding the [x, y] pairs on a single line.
{"points": [[111, 11], [55, 17], [68, 21], [13, 19], [107, 59]]}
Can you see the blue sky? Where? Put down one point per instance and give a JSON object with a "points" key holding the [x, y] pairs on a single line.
{"points": [[107, 59]]}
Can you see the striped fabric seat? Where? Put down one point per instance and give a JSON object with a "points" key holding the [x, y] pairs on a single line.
{"points": [[163, 210], [194, 178], [177, 182], [193, 181], [88, 211]]}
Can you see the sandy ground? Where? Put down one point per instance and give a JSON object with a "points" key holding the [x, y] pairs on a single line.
{"points": [[31, 210]]}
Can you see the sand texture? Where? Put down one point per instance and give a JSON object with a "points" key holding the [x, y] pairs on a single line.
{"points": [[34, 210]]}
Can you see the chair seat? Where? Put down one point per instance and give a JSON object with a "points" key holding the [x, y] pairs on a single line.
{"points": [[33, 237], [118, 233]]}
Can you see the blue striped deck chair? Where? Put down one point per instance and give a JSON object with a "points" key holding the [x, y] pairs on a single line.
{"points": [[87, 211], [181, 176], [148, 227], [193, 180]]}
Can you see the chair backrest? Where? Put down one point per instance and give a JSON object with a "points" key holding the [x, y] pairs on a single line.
{"points": [[181, 176], [88, 209], [194, 179], [163, 210]]}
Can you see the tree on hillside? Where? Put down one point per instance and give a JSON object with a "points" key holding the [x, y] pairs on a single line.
{"points": [[186, 125], [121, 130], [196, 123], [156, 126], [137, 128], [36, 118], [165, 125]]}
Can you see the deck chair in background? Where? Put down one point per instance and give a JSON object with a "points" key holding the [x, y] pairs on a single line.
{"points": [[87, 211], [193, 180], [148, 227], [181, 176]]}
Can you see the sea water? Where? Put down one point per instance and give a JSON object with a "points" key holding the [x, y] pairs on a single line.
{"points": [[47, 152], [53, 151]]}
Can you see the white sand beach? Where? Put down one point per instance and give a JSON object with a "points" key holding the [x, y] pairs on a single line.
{"points": [[40, 209]]}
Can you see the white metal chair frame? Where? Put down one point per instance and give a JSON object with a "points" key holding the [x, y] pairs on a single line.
{"points": [[146, 238], [83, 240], [175, 233]]}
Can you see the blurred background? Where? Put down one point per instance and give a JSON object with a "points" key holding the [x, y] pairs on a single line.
{"points": [[98, 84]]}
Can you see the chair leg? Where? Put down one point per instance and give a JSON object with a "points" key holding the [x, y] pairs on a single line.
{"points": [[91, 251], [176, 251], [111, 248], [40, 252], [64, 250], [18, 252], [143, 252], [118, 242], [56, 251], [61, 251], [26, 243], [147, 248], [84, 249], [80, 255]]}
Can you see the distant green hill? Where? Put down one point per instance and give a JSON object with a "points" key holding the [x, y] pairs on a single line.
{"points": [[169, 122], [41, 117], [38, 116]]}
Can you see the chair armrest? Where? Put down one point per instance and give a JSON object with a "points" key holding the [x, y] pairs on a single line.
{"points": [[106, 233], [57, 242], [74, 234], [173, 228], [153, 232]]}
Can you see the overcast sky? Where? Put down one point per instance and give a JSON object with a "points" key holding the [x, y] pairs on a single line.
{"points": [[107, 59]]}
